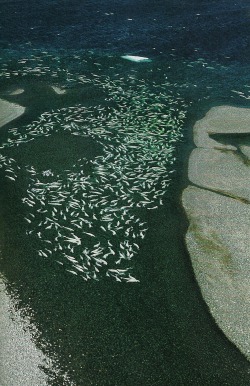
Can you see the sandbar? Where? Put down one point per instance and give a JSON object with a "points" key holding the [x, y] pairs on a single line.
{"points": [[9, 112]]}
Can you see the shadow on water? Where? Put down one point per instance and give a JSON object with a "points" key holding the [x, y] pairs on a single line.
{"points": [[39, 97], [57, 152], [156, 332]]}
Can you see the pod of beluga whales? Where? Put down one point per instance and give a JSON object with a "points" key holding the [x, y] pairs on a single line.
{"points": [[87, 217]]}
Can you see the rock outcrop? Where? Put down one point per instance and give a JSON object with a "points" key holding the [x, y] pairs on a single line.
{"points": [[217, 206]]}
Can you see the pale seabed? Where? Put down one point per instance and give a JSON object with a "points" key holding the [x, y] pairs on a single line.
{"points": [[9, 112], [94, 329], [19, 357]]}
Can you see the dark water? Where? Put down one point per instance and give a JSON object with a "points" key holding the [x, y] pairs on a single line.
{"points": [[158, 331]]}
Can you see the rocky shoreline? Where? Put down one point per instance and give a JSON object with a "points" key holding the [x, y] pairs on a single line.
{"points": [[216, 204]]}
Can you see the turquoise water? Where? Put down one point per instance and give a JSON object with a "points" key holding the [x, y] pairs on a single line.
{"points": [[92, 230]]}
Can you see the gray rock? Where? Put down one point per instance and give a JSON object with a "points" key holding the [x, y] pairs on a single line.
{"points": [[245, 150], [218, 240], [221, 120], [221, 171], [218, 237]]}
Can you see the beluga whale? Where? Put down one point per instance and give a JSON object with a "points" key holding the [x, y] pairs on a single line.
{"points": [[134, 58]]}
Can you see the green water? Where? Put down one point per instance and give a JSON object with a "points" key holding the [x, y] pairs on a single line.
{"points": [[156, 332]]}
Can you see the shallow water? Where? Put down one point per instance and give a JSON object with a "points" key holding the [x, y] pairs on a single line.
{"points": [[157, 331]]}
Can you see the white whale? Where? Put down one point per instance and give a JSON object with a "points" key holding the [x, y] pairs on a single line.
{"points": [[134, 58]]}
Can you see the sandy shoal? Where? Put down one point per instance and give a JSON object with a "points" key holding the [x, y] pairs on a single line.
{"points": [[9, 112], [20, 360]]}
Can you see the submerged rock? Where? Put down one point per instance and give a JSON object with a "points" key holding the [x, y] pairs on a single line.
{"points": [[58, 90], [9, 112]]}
